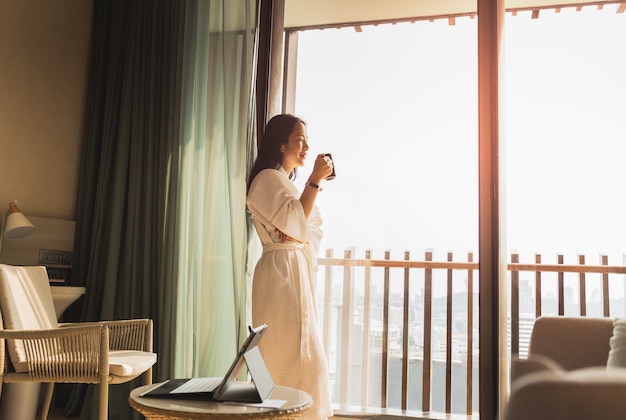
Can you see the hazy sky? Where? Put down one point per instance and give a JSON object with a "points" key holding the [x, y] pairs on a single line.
{"points": [[397, 107]]}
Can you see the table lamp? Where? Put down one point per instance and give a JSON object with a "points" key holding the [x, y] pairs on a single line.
{"points": [[15, 225]]}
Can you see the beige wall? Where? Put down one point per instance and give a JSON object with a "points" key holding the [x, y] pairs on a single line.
{"points": [[44, 55]]}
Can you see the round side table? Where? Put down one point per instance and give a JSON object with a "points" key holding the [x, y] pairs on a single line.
{"points": [[296, 402]]}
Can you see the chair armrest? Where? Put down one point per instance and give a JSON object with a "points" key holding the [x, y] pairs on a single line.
{"points": [[66, 353], [126, 334], [588, 393], [130, 334], [534, 363]]}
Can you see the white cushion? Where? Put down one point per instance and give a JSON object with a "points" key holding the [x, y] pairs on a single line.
{"points": [[617, 353], [129, 362], [121, 362], [26, 304]]}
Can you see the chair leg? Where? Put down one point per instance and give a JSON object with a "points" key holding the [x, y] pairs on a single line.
{"points": [[104, 399], [48, 390], [147, 377]]}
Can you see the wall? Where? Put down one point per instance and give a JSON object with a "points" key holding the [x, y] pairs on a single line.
{"points": [[44, 57]]}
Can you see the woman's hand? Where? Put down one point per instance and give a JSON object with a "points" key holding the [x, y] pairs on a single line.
{"points": [[286, 238], [283, 236], [322, 167]]}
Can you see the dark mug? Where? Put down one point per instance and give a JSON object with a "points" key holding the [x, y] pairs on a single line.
{"points": [[332, 174]]}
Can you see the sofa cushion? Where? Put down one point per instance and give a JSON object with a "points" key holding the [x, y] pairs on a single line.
{"points": [[130, 363], [617, 352], [558, 337], [26, 304]]}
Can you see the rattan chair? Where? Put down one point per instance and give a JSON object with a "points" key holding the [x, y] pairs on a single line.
{"points": [[42, 350]]}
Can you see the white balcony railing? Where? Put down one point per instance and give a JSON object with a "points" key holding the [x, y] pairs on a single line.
{"points": [[401, 335]]}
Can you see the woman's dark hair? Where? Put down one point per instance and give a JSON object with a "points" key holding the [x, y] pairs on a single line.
{"points": [[277, 131]]}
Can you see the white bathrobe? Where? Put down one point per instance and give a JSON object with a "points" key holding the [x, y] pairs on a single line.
{"points": [[283, 289]]}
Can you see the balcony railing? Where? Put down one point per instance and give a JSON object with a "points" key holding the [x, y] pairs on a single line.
{"points": [[401, 335]]}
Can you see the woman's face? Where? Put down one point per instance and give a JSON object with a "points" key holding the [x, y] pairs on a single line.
{"points": [[295, 150]]}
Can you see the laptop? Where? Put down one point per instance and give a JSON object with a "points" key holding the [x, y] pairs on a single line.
{"points": [[226, 388]]}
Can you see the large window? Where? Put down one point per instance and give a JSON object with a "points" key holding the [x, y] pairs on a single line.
{"points": [[397, 107], [565, 107]]}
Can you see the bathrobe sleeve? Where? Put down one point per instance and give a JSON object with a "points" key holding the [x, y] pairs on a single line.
{"points": [[274, 202]]}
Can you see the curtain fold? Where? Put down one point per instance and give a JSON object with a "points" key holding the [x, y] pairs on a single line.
{"points": [[213, 294], [161, 225], [126, 202]]}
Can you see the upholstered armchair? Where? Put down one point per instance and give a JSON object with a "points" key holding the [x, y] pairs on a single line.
{"points": [[42, 350], [574, 371]]}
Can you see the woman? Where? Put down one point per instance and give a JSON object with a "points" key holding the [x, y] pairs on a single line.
{"points": [[288, 224]]}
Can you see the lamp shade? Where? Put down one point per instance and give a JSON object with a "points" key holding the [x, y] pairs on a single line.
{"points": [[17, 226]]}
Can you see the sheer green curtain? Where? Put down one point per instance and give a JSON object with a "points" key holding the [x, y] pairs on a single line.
{"points": [[211, 315], [161, 220]]}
